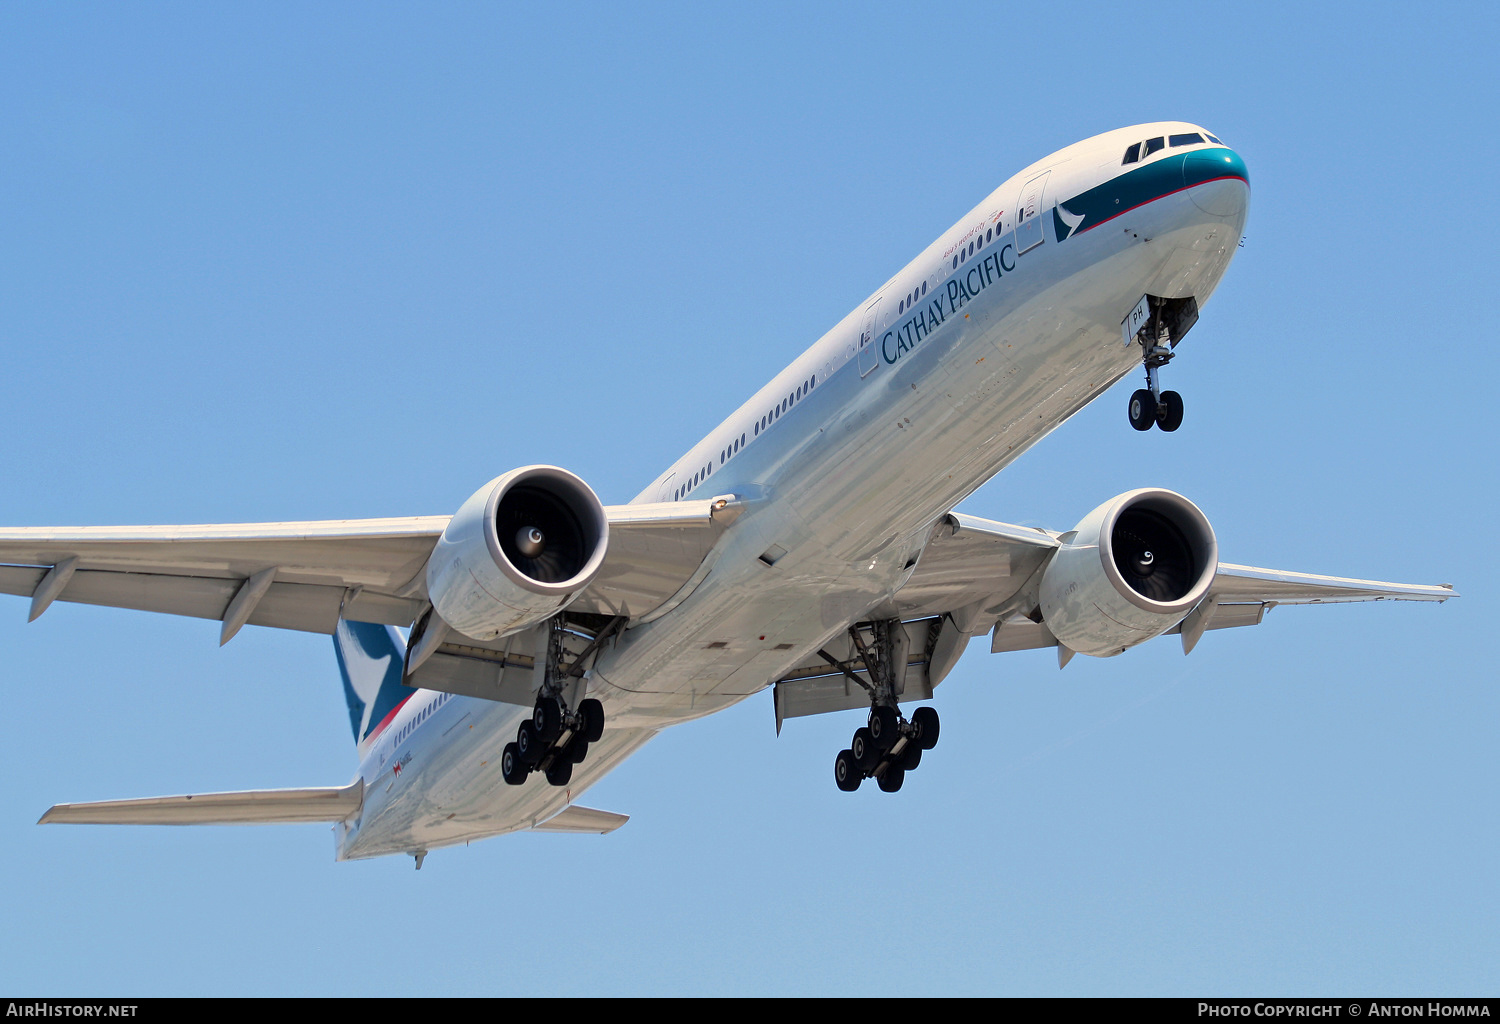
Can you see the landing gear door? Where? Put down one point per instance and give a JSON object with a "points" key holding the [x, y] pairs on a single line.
{"points": [[869, 356], [1029, 214]]}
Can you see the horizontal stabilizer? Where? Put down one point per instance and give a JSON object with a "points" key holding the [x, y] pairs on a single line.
{"points": [[583, 820], [251, 807]]}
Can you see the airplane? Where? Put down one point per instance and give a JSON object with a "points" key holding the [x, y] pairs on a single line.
{"points": [[500, 661]]}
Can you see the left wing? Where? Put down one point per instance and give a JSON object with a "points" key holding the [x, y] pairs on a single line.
{"points": [[304, 575]]}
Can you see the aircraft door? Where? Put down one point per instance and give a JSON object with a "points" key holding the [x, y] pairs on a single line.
{"points": [[1029, 214], [869, 354]]}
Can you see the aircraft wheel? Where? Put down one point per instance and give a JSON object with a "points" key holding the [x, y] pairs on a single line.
{"points": [[846, 773], [1170, 412], [1142, 410], [883, 728], [891, 778], [592, 713], [911, 756], [578, 750], [925, 720], [547, 718], [560, 772], [511, 768], [529, 745], [863, 749]]}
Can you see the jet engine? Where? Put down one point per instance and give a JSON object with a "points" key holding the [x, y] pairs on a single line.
{"points": [[1131, 570], [521, 549]]}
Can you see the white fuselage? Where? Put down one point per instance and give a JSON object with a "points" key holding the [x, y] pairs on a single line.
{"points": [[847, 459]]}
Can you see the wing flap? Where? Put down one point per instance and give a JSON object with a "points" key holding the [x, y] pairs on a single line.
{"points": [[971, 561], [248, 807]]}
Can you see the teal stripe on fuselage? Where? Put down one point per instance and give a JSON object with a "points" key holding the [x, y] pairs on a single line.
{"points": [[1146, 184]]}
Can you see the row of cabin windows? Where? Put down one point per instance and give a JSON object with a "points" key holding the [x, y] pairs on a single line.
{"points": [[422, 716], [732, 449], [1156, 145], [962, 256], [911, 300], [693, 481]]}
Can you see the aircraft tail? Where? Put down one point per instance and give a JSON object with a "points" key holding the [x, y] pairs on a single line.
{"points": [[372, 659], [250, 807]]}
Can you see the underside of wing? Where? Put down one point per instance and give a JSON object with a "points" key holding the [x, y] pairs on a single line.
{"points": [[978, 575], [306, 575]]}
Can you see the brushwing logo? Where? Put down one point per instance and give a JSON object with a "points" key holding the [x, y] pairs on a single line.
{"points": [[370, 659], [1065, 221]]}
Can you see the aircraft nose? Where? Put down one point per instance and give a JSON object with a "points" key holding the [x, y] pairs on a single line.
{"points": [[1217, 181]]}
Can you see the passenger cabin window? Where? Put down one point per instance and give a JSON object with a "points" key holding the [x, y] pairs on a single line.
{"points": [[1186, 139], [1132, 154]]}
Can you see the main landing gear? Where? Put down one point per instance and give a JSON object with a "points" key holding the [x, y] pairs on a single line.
{"points": [[886, 749], [561, 726], [889, 745], [552, 741], [1169, 320]]}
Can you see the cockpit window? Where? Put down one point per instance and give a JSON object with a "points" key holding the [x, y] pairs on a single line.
{"points": [[1187, 139], [1154, 145], [1215, 141], [1132, 154]]}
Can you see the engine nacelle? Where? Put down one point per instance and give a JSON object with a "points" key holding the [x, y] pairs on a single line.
{"points": [[1130, 571], [518, 552]]}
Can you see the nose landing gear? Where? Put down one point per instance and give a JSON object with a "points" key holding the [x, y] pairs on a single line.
{"points": [[1163, 322]]}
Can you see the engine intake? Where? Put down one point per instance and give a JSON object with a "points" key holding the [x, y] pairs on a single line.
{"points": [[1131, 570], [517, 552]]}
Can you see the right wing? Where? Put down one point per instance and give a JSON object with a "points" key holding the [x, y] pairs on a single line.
{"points": [[977, 575]]}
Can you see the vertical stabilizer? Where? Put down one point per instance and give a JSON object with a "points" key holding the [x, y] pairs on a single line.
{"points": [[371, 659]]}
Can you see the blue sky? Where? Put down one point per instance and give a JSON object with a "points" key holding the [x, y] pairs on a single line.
{"points": [[299, 262]]}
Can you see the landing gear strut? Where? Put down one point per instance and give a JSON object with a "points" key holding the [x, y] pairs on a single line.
{"points": [[1168, 321], [561, 726], [888, 745]]}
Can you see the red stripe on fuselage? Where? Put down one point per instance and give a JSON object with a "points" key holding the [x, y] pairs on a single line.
{"points": [[1148, 202], [374, 733]]}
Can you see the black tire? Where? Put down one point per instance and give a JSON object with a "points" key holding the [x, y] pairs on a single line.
{"points": [[578, 750], [891, 778], [547, 717], [560, 771], [1169, 415], [846, 774], [862, 747], [529, 745], [883, 728], [592, 713], [925, 721], [512, 770], [911, 756], [1143, 410]]}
